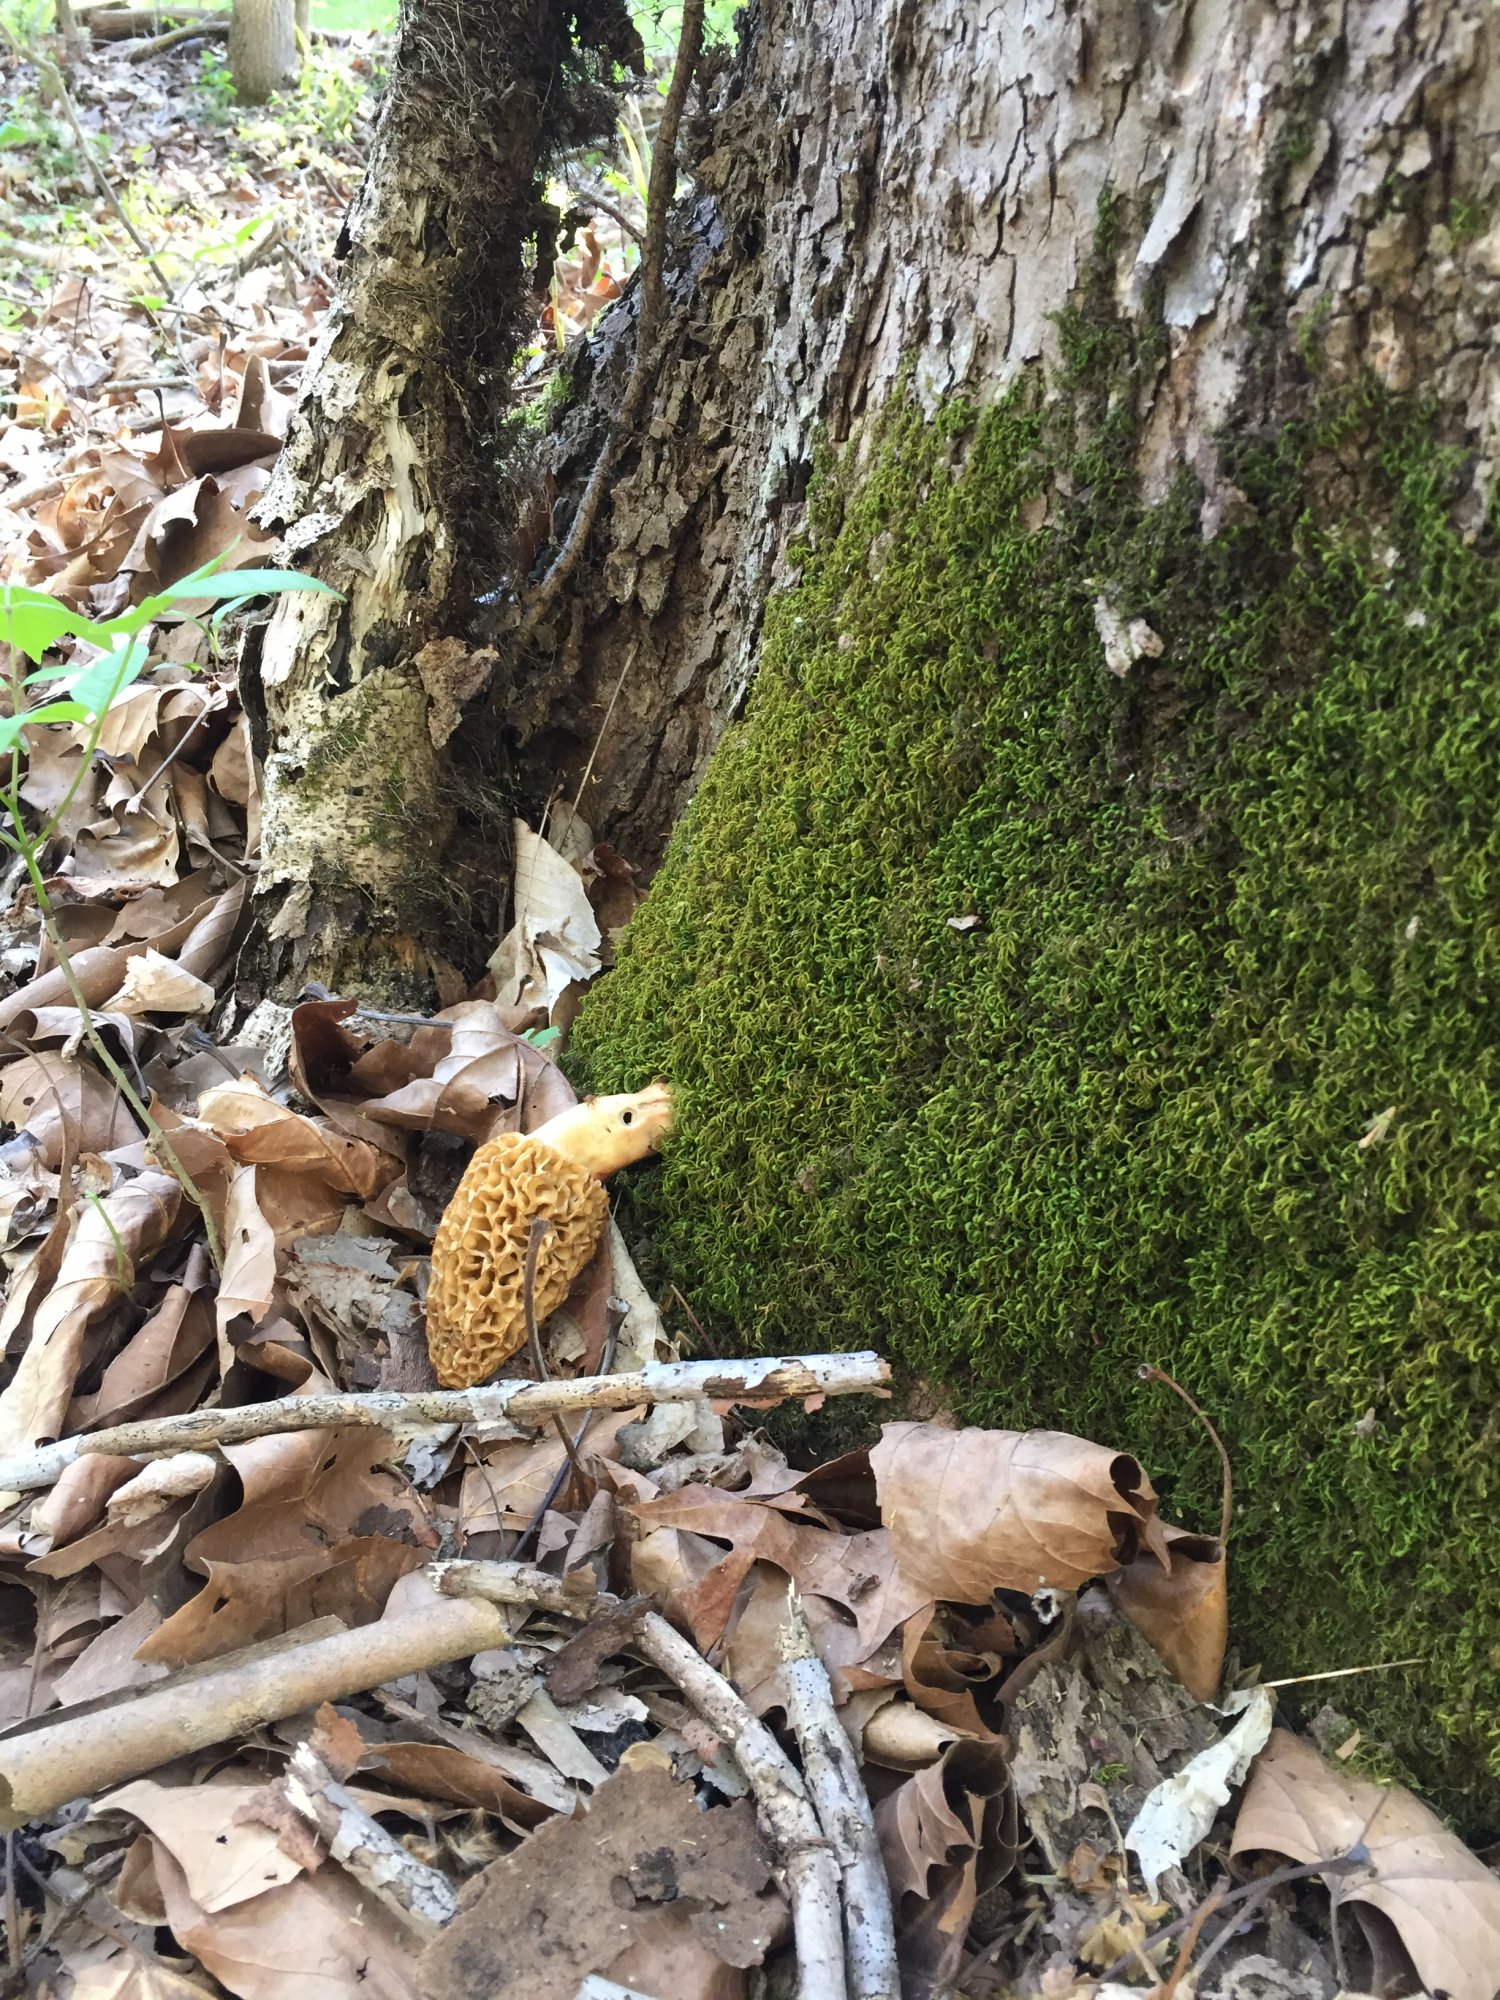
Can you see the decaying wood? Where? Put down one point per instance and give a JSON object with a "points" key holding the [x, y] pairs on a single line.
{"points": [[404, 1413], [422, 1896], [69, 1756], [843, 1807]]}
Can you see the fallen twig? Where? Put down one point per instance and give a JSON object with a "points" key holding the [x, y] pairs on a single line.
{"points": [[843, 1808], [102, 180], [404, 1413], [786, 1812], [422, 1896], [69, 1756]]}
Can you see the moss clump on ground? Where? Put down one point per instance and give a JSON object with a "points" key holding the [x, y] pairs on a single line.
{"points": [[1232, 909]]}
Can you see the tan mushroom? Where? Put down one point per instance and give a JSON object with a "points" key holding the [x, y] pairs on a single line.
{"points": [[476, 1305]]}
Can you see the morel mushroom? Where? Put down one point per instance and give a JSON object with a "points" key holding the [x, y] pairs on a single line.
{"points": [[476, 1305]]}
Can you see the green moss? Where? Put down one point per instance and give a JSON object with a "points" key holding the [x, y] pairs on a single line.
{"points": [[1232, 908]]}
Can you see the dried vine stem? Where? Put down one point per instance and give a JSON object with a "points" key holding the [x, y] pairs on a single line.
{"points": [[648, 322], [405, 1413]]}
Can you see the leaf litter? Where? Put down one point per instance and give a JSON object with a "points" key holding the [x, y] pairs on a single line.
{"points": [[1026, 1660]]}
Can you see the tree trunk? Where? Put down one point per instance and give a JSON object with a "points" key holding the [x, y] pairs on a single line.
{"points": [[1076, 430], [263, 52], [381, 857]]}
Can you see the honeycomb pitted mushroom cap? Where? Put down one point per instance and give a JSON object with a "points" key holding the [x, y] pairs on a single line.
{"points": [[476, 1303]]}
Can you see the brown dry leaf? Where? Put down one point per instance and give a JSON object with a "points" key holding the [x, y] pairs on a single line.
{"points": [[1181, 1611], [857, 1574], [223, 1861], [483, 1078], [136, 1220], [946, 1835], [1442, 1900], [571, 1899], [136, 1975], [323, 1940], [974, 1511], [65, 1105], [157, 985], [160, 1353], [260, 1132], [333, 1539]]}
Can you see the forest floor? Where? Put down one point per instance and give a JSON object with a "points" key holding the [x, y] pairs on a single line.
{"points": [[206, 1208]]}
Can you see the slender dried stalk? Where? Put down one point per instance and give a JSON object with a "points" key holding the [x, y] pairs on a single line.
{"points": [[843, 1807], [807, 1860], [404, 1414]]}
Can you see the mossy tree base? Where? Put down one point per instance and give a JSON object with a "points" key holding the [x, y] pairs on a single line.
{"points": [[1212, 1081]]}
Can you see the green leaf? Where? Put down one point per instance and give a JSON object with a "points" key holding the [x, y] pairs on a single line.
{"points": [[97, 685], [34, 621], [241, 583], [52, 711]]}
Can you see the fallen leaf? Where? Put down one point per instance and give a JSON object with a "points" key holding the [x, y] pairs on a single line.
{"points": [[113, 1237], [945, 1835], [323, 1940], [974, 1511], [1183, 1610], [554, 937], [157, 985], [136, 1975], [223, 1862], [65, 1105], [1179, 1812], [1443, 1902]]}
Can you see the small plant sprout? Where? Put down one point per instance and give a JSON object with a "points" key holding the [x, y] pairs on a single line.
{"points": [[81, 692]]}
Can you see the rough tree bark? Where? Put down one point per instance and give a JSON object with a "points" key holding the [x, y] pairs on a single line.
{"points": [[902, 184], [263, 52], [394, 488], [876, 186]]}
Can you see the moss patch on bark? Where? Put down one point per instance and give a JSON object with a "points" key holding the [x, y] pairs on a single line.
{"points": [[1213, 1081]]}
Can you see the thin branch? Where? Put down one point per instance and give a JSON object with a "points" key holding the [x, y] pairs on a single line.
{"points": [[405, 1413], [102, 180], [843, 1808], [421, 1896], [78, 1755], [652, 311]]}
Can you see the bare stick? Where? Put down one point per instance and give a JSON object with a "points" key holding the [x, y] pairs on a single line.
{"points": [[648, 322], [76, 1755], [405, 1413], [194, 31], [102, 180], [785, 1810], [421, 1896], [843, 1808]]}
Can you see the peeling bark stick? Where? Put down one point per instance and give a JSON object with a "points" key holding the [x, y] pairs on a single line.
{"points": [[421, 1896], [648, 322], [843, 1807], [812, 1872], [405, 1413], [42, 1766]]}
